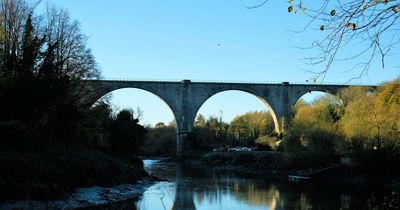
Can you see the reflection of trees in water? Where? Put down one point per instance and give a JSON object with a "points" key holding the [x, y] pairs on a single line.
{"points": [[248, 191], [269, 195], [213, 187]]}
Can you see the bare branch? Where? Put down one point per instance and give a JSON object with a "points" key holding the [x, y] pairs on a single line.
{"points": [[257, 6]]}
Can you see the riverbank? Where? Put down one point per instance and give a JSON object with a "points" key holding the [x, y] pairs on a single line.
{"points": [[55, 172], [257, 162], [115, 197], [277, 164]]}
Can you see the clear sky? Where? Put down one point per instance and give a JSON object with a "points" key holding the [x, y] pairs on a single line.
{"points": [[203, 40]]}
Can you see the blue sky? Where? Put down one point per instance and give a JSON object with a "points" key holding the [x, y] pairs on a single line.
{"points": [[203, 40]]}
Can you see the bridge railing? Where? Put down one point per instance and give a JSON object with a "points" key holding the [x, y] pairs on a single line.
{"points": [[138, 79], [235, 81]]}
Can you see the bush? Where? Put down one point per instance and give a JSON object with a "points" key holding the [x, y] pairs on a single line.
{"points": [[159, 141], [312, 148], [268, 142], [126, 135], [16, 134]]}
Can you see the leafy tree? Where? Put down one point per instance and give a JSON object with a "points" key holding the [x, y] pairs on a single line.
{"points": [[160, 140], [372, 119], [268, 142], [159, 125], [315, 135], [217, 128], [202, 139], [200, 121], [250, 126], [126, 135], [347, 95], [94, 129]]}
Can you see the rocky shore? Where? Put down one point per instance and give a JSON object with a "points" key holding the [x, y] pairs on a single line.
{"points": [[57, 173]]}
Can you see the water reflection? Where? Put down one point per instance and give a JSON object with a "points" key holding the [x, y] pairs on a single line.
{"points": [[184, 194], [194, 188]]}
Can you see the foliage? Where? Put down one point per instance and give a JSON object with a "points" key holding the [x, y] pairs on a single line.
{"points": [[94, 129], [257, 160], [126, 135], [372, 119], [41, 63], [159, 141], [391, 201], [314, 137], [46, 127], [364, 124], [201, 139], [248, 127], [268, 142], [117, 134], [243, 130], [208, 133]]}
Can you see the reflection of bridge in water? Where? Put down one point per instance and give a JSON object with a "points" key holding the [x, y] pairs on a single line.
{"points": [[199, 187], [184, 195], [222, 188], [185, 98]]}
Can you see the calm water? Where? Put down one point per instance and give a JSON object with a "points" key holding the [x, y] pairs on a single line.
{"points": [[189, 188]]}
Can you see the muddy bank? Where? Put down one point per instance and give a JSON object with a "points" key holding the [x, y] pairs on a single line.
{"points": [[56, 173], [115, 197]]}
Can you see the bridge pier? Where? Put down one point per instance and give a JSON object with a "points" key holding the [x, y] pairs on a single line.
{"points": [[180, 143], [284, 123], [183, 116]]}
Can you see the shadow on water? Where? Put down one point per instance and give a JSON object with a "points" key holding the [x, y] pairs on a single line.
{"points": [[198, 188]]}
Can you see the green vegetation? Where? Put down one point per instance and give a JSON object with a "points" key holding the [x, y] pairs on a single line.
{"points": [[251, 129], [160, 141], [359, 127], [51, 140], [359, 123], [42, 61], [314, 137], [260, 161], [364, 125]]}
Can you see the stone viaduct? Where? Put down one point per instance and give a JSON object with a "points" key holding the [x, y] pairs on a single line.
{"points": [[185, 98]]}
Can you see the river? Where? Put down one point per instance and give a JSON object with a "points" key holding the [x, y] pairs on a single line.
{"points": [[189, 187]]}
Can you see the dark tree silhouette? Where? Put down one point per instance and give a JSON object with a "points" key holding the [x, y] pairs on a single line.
{"points": [[126, 135], [42, 61]]}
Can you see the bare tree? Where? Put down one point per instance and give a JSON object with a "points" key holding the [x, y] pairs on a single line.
{"points": [[13, 14], [72, 57], [49, 47], [374, 23]]}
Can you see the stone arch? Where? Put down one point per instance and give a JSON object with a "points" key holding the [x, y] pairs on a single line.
{"points": [[200, 103], [141, 89], [303, 91]]}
